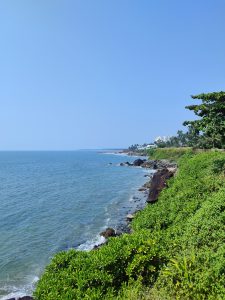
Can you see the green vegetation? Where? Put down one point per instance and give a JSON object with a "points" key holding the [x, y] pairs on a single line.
{"points": [[211, 122], [208, 131], [176, 250], [182, 139], [169, 153]]}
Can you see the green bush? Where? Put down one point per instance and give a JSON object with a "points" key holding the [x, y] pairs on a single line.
{"points": [[101, 273], [176, 250], [219, 165], [170, 153]]}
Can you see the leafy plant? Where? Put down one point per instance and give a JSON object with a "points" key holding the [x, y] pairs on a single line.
{"points": [[176, 250], [211, 121]]}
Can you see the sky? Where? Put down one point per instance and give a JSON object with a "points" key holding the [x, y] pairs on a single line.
{"points": [[80, 74]]}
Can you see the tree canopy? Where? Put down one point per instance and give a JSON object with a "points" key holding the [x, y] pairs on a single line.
{"points": [[210, 126]]}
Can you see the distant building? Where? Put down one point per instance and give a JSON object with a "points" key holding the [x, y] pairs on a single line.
{"points": [[146, 147], [150, 146], [162, 139]]}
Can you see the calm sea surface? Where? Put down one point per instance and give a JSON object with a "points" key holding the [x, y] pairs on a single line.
{"points": [[52, 201]]}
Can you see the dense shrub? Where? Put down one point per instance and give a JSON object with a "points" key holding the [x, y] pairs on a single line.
{"points": [[176, 250], [101, 273], [170, 153]]}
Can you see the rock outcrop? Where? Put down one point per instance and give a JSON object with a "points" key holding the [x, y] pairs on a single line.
{"points": [[150, 164], [138, 162], [165, 170], [158, 183], [127, 163], [22, 298], [109, 232]]}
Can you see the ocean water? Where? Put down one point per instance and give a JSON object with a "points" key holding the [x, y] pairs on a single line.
{"points": [[53, 201]]}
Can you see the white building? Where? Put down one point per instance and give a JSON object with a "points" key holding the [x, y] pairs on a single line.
{"points": [[162, 139], [149, 146]]}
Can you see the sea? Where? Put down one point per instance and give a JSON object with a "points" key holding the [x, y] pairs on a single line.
{"points": [[54, 201]]}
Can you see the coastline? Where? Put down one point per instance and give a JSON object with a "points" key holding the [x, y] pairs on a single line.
{"points": [[121, 226], [159, 172], [138, 204], [117, 248]]}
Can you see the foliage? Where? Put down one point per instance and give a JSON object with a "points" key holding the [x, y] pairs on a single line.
{"points": [[208, 131], [169, 153], [190, 214], [176, 250], [219, 165], [191, 138], [211, 121], [101, 273], [133, 147]]}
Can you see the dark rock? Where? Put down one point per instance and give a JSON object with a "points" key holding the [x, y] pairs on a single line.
{"points": [[147, 185], [127, 163], [142, 189], [158, 164], [158, 183], [122, 228], [135, 153], [155, 166], [22, 298], [138, 162], [147, 175], [108, 233], [149, 164], [164, 163]]}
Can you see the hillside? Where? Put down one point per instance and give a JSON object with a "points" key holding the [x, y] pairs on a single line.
{"points": [[176, 250]]}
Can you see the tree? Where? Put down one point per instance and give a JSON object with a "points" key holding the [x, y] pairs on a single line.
{"points": [[193, 138], [133, 147], [211, 123]]}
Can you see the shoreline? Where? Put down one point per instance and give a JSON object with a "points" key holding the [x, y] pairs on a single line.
{"points": [[161, 171], [139, 199], [121, 226], [124, 224]]}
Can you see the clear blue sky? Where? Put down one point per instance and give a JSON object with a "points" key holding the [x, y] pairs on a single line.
{"points": [[100, 73]]}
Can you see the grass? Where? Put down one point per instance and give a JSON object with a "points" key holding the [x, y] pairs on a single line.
{"points": [[169, 153]]}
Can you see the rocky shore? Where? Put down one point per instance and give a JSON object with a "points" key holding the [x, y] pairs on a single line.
{"points": [[164, 170], [151, 164], [134, 153], [22, 298]]}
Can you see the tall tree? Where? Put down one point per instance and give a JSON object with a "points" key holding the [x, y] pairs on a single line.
{"points": [[211, 122]]}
